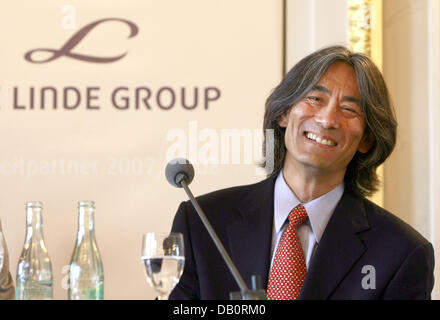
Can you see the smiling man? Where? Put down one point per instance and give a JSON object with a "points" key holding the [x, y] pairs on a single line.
{"points": [[323, 132], [308, 229]]}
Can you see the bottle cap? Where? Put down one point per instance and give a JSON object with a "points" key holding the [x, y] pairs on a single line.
{"points": [[34, 204], [86, 203]]}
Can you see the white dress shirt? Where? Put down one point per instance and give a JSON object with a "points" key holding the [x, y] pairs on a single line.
{"points": [[319, 212]]}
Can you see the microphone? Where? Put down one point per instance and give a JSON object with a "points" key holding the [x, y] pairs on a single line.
{"points": [[180, 173], [177, 170]]}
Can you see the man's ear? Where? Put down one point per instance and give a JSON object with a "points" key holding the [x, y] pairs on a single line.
{"points": [[366, 142]]}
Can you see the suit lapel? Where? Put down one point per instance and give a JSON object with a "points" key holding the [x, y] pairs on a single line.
{"points": [[250, 237], [338, 250], [250, 240]]}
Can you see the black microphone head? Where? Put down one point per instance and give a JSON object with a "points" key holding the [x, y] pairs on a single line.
{"points": [[177, 170]]}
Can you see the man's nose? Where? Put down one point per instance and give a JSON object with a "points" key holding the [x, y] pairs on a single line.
{"points": [[328, 116]]}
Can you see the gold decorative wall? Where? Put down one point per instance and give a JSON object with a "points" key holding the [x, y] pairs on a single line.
{"points": [[361, 20]]}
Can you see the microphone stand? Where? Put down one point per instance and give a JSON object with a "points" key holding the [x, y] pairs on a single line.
{"points": [[245, 294]]}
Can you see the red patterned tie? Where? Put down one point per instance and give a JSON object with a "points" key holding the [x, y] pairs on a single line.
{"points": [[289, 266]]}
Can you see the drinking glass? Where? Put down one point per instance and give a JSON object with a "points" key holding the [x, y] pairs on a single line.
{"points": [[163, 259]]}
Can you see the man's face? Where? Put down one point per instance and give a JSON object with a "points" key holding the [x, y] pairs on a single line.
{"points": [[326, 127]]}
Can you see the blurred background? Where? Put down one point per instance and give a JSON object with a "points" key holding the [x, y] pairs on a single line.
{"points": [[97, 96]]}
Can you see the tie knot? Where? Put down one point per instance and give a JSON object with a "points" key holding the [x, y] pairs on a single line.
{"points": [[298, 215]]}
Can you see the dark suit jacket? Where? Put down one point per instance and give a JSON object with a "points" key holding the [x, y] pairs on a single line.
{"points": [[359, 236]]}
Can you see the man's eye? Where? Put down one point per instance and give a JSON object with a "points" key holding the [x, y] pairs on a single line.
{"points": [[350, 111], [314, 99]]}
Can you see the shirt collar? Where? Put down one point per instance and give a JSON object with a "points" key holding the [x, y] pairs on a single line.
{"points": [[319, 210]]}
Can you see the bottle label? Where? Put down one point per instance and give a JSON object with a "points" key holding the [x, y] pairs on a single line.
{"points": [[33, 290], [90, 293]]}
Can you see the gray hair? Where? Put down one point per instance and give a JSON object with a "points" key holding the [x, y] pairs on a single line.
{"points": [[360, 177]]}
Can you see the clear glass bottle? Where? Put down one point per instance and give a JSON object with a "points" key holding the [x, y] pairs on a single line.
{"points": [[34, 270], [86, 275]]}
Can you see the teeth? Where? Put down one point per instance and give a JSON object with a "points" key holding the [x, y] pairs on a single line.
{"points": [[314, 137]]}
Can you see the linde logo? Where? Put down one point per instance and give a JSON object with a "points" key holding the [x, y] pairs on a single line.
{"points": [[143, 97], [66, 50]]}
